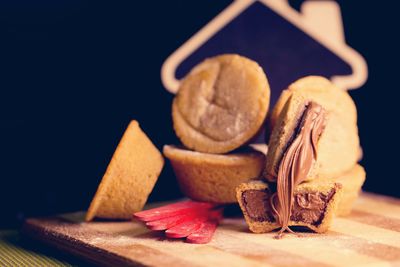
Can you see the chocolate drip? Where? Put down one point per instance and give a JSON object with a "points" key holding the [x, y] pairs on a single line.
{"points": [[297, 162]]}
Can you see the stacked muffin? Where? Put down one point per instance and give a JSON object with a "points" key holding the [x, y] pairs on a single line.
{"points": [[310, 172], [220, 106], [311, 164]]}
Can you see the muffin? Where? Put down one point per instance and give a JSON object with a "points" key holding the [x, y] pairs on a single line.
{"points": [[129, 178], [306, 85], [336, 148], [221, 104], [351, 182], [211, 177]]}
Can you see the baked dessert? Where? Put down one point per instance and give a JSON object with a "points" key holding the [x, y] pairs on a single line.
{"points": [[314, 206], [212, 177], [129, 178], [315, 136], [307, 85], [332, 149], [221, 104], [351, 182]]}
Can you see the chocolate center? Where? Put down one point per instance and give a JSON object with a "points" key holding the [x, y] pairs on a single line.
{"points": [[308, 208], [258, 205]]}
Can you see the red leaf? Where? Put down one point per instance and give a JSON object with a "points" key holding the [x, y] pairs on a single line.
{"points": [[171, 210], [195, 220], [186, 228], [169, 222], [204, 233]]}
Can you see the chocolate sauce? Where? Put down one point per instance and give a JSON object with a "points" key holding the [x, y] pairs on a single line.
{"points": [[297, 161]]}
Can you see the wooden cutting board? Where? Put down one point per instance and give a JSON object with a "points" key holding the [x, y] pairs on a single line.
{"points": [[370, 236]]}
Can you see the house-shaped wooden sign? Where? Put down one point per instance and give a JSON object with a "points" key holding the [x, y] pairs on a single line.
{"points": [[288, 44]]}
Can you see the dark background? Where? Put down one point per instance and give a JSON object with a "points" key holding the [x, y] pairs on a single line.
{"points": [[74, 73]]}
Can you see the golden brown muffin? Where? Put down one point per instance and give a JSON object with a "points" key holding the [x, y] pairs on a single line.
{"points": [[221, 104], [337, 147], [306, 85], [129, 178], [314, 205], [351, 182], [211, 177]]}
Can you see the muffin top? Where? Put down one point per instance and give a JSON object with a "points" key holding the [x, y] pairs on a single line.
{"points": [[221, 104]]}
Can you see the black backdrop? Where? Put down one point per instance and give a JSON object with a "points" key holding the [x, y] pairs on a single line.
{"points": [[73, 73]]}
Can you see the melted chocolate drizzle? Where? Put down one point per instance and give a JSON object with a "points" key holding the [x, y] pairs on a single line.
{"points": [[297, 162]]}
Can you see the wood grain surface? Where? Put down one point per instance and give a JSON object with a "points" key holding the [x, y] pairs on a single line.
{"points": [[370, 236]]}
